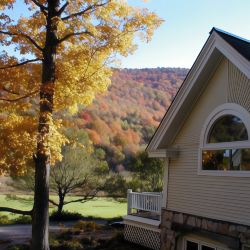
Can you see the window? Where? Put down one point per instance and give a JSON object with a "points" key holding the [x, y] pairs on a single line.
{"points": [[190, 245], [226, 159], [207, 248], [225, 145], [193, 245], [228, 128]]}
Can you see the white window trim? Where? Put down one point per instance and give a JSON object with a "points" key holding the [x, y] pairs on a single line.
{"points": [[225, 109], [199, 242]]}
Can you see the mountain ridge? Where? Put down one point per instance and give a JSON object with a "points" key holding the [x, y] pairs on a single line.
{"points": [[122, 120]]}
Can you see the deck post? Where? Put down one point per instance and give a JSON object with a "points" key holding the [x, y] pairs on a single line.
{"points": [[129, 199]]}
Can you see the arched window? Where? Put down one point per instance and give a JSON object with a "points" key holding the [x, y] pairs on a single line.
{"points": [[225, 145], [227, 128]]}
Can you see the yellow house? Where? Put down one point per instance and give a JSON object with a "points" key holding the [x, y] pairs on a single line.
{"points": [[205, 141]]}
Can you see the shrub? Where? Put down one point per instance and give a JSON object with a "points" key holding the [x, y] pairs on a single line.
{"points": [[86, 226], [65, 216], [4, 219], [23, 219], [67, 245], [67, 235], [72, 245]]}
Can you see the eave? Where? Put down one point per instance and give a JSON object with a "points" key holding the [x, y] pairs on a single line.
{"points": [[214, 50]]}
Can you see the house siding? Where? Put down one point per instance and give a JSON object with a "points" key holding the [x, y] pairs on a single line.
{"points": [[216, 197]]}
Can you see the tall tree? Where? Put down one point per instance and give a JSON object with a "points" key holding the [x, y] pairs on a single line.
{"points": [[65, 49]]}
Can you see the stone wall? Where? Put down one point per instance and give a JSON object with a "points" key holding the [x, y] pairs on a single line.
{"points": [[174, 223]]}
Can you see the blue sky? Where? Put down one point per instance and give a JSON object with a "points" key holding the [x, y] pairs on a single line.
{"points": [[187, 24]]}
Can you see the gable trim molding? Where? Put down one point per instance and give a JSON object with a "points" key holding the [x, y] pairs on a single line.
{"points": [[214, 50]]}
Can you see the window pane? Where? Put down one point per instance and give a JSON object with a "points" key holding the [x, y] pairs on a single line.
{"points": [[207, 248], [191, 245], [226, 129], [226, 159]]}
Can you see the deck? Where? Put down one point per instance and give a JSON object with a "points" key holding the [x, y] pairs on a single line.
{"points": [[142, 222]]}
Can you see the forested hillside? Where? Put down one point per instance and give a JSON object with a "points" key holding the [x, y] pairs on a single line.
{"points": [[123, 120]]}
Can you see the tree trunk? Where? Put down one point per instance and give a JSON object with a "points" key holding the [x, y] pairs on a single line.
{"points": [[60, 205], [61, 195], [40, 218]]}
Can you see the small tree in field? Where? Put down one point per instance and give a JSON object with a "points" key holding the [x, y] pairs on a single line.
{"points": [[65, 49], [80, 173]]}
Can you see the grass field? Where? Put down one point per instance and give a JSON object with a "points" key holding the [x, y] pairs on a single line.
{"points": [[99, 207]]}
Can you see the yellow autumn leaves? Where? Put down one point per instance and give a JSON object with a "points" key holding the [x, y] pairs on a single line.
{"points": [[90, 35]]}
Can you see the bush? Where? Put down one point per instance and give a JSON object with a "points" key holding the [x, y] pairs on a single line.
{"points": [[86, 226], [66, 245], [23, 219], [72, 245], [65, 236], [65, 216], [4, 220]]}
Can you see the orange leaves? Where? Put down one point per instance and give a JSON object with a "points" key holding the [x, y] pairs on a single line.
{"points": [[6, 4], [125, 118], [94, 136], [88, 36]]}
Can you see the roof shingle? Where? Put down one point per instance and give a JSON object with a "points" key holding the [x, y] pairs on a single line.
{"points": [[240, 44]]}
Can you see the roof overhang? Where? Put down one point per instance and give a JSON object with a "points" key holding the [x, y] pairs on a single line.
{"points": [[214, 50]]}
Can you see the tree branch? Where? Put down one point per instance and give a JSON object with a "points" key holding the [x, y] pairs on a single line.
{"points": [[89, 9], [15, 211], [23, 35], [10, 91], [82, 200], [73, 34], [19, 98], [42, 7], [63, 8], [20, 64], [53, 202]]}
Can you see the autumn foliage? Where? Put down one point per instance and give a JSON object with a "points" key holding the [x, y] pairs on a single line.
{"points": [[89, 34], [122, 120], [63, 53]]}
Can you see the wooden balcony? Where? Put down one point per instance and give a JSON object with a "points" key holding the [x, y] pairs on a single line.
{"points": [[146, 204]]}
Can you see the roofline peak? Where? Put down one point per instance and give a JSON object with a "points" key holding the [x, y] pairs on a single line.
{"points": [[214, 29]]}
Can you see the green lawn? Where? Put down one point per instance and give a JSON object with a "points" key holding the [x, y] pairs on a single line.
{"points": [[99, 207]]}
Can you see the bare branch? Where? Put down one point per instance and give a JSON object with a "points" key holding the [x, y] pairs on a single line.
{"points": [[19, 98], [74, 34], [20, 64], [23, 35], [82, 200], [42, 7], [63, 8], [15, 211], [88, 10], [53, 202]]}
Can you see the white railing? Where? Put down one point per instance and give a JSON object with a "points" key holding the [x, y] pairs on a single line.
{"points": [[147, 201]]}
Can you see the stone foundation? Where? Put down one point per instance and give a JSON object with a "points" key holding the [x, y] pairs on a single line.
{"points": [[174, 224]]}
